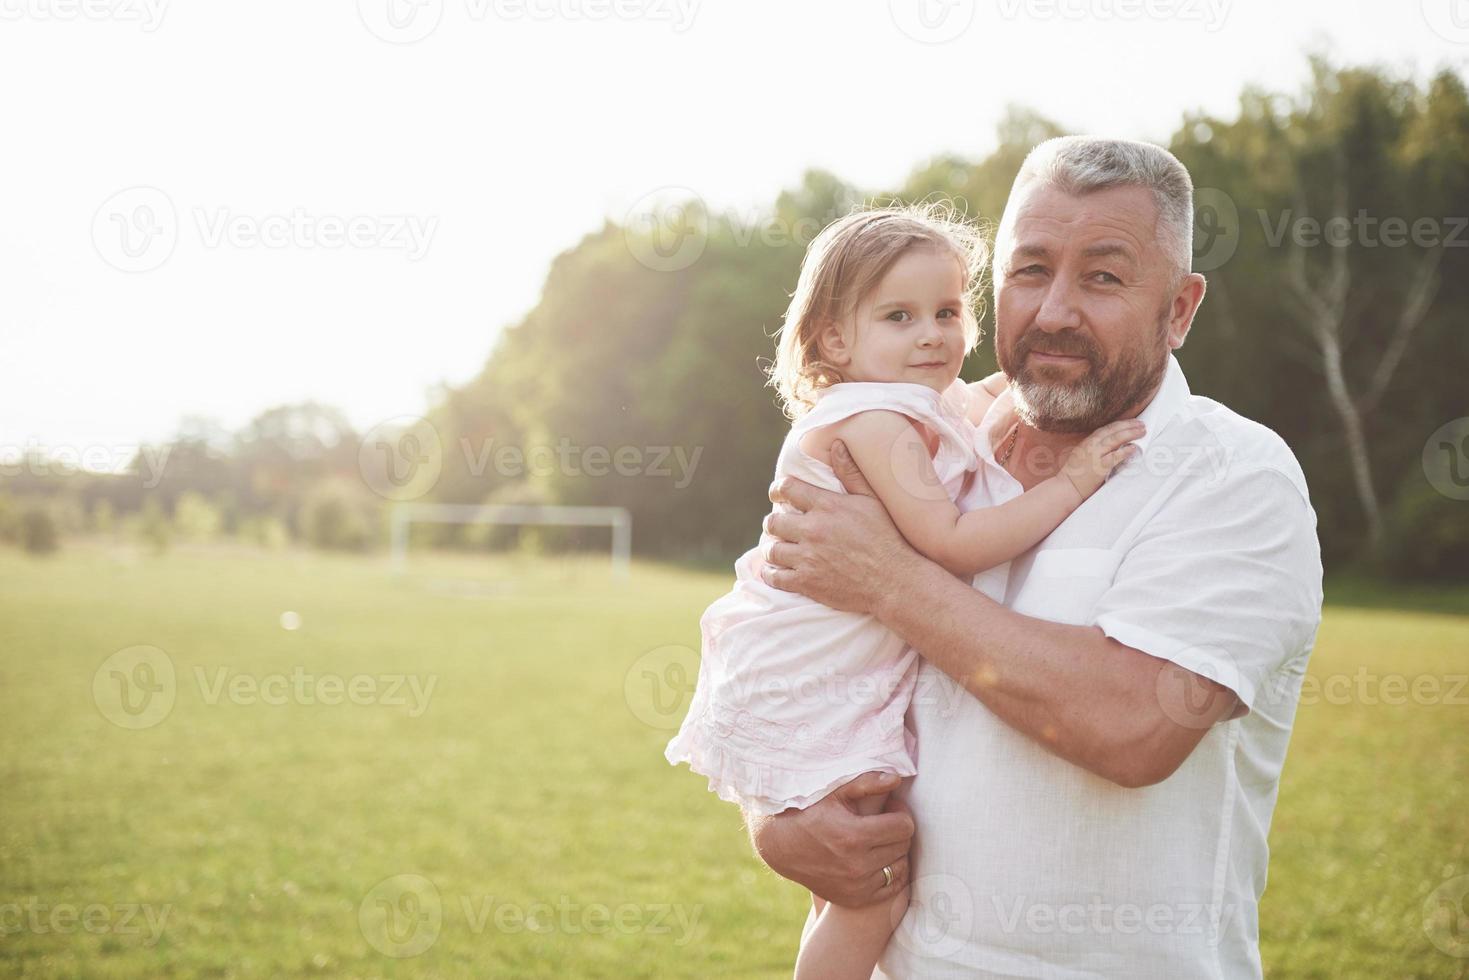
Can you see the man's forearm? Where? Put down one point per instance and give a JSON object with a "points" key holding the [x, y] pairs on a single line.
{"points": [[1086, 697]]}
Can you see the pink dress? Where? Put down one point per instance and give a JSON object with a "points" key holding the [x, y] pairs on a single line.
{"points": [[795, 698]]}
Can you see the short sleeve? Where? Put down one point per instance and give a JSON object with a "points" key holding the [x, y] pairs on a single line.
{"points": [[1224, 581]]}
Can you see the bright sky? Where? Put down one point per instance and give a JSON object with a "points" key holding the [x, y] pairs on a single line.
{"points": [[472, 155]]}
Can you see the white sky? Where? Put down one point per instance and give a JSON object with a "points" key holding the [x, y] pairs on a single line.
{"points": [[510, 130]]}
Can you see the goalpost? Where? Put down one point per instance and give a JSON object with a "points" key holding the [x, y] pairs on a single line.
{"points": [[619, 519]]}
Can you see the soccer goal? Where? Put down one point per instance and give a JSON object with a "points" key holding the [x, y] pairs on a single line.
{"points": [[617, 518]]}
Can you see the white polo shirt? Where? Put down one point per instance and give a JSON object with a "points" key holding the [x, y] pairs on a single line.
{"points": [[1201, 551]]}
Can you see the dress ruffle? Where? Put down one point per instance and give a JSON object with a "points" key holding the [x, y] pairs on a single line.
{"points": [[798, 781]]}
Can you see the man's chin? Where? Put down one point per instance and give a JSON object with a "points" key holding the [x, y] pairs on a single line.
{"points": [[1062, 408]]}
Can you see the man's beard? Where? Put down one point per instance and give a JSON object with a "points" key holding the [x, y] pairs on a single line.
{"points": [[1054, 402]]}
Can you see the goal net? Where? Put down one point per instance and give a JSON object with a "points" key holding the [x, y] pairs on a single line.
{"points": [[616, 518]]}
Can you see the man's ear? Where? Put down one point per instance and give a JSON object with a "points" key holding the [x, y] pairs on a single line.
{"points": [[1185, 304], [833, 343]]}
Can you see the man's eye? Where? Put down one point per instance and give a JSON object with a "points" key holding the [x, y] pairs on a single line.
{"points": [[1108, 278], [1027, 270]]}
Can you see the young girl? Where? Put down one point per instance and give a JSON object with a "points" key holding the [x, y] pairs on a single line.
{"points": [[795, 699]]}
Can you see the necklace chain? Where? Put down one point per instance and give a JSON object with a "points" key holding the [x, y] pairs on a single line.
{"points": [[1009, 444]]}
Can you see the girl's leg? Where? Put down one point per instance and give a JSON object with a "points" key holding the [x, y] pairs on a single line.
{"points": [[843, 943]]}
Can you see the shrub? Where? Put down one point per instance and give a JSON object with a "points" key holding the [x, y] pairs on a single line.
{"points": [[38, 531]]}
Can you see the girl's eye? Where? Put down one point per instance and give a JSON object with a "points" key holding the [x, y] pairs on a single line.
{"points": [[948, 314], [897, 316]]}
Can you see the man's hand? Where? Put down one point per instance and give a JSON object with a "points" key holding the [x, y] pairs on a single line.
{"points": [[841, 548], [836, 852]]}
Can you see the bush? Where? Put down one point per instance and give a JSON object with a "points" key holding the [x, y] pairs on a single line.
{"points": [[1427, 534], [267, 531], [9, 521], [38, 532], [195, 517], [338, 516], [153, 526]]}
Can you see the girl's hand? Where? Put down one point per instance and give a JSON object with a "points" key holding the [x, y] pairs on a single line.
{"points": [[1088, 464]]}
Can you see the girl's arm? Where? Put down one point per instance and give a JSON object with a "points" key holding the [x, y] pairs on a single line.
{"points": [[893, 455], [982, 395]]}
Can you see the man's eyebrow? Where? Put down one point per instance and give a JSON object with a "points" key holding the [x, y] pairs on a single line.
{"points": [[1031, 251], [1107, 250]]}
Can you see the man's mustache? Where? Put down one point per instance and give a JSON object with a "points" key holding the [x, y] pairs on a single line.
{"points": [[1069, 342]]}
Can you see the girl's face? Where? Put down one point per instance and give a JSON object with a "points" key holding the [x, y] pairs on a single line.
{"points": [[910, 328]]}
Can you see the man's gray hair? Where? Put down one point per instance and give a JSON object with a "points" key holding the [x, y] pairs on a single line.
{"points": [[1081, 164]]}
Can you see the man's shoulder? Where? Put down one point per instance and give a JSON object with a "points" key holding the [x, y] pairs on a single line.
{"points": [[1237, 451]]}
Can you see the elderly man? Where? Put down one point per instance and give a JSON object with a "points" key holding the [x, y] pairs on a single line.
{"points": [[1102, 722]]}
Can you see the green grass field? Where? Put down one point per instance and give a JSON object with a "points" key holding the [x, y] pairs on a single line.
{"points": [[302, 809]]}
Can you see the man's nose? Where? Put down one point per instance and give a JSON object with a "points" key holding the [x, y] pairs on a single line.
{"points": [[1059, 309]]}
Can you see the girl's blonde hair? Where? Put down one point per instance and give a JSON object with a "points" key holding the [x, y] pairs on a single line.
{"points": [[841, 268]]}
